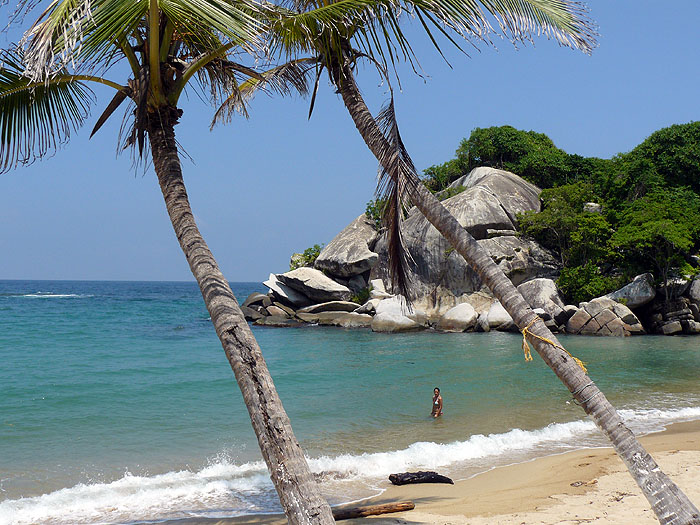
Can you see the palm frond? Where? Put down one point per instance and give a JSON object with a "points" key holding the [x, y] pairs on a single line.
{"points": [[36, 117], [319, 70], [116, 101], [565, 21], [395, 188], [81, 34], [283, 80]]}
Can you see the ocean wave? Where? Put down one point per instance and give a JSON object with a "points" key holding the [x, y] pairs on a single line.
{"points": [[215, 491], [224, 489], [51, 295]]}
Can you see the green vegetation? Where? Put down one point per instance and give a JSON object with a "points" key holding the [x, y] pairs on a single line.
{"points": [[450, 192], [659, 229], [374, 211], [362, 296], [307, 258], [531, 155], [649, 218]]}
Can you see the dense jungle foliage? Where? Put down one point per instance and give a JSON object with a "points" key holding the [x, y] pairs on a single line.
{"points": [[649, 215]]}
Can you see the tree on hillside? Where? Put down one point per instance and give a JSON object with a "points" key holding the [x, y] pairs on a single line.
{"points": [[563, 225], [531, 155], [164, 47], [560, 19], [669, 157], [659, 229]]}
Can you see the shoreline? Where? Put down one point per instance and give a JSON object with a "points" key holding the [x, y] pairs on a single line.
{"points": [[589, 485]]}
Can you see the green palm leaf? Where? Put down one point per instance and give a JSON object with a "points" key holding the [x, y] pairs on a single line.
{"points": [[87, 36], [36, 118], [374, 26]]}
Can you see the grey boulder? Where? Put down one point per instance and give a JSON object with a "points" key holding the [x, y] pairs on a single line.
{"points": [[458, 319], [285, 293], [694, 291], [348, 254], [315, 285], [392, 315], [490, 204], [543, 293], [603, 316], [637, 293]]}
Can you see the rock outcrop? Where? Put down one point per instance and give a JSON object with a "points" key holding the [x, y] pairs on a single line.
{"points": [[458, 319], [392, 315], [349, 253], [488, 206], [315, 285], [694, 291], [543, 293], [332, 306], [603, 316], [679, 316], [284, 293], [639, 292], [448, 295]]}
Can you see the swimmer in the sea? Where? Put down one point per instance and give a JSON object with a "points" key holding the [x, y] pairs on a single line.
{"points": [[437, 403]]}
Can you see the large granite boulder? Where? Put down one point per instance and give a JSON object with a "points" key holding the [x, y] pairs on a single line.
{"points": [[286, 294], [513, 193], [257, 299], [603, 316], [458, 319], [637, 293], [543, 293], [348, 254], [499, 319], [694, 291], [393, 315], [488, 206], [315, 285]]}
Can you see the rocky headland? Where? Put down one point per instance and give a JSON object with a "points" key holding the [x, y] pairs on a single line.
{"points": [[348, 285]]}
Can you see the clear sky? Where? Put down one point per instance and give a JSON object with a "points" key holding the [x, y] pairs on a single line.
{"points": [[278, 183]]}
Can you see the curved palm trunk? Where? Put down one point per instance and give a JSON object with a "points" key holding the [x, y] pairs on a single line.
{"points": [[669, 503], [297, 489]]}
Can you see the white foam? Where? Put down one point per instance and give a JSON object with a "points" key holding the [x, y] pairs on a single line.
{"points": [[49, 295], [217, 489], [224, 489]]}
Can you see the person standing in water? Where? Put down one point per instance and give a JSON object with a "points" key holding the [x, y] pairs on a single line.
{"points": [[437, 403]]}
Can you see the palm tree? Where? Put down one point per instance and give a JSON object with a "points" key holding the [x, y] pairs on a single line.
{"points": [[563, 20], [162, 46]]}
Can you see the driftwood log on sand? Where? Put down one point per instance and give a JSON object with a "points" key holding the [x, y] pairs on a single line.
{"points": [[372, 510], [406, 478]]}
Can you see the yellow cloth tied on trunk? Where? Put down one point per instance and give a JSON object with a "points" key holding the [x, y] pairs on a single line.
{"points": [[527, 349]]}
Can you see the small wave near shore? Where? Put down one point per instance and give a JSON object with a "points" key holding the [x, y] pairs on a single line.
{"points": [[224, 489]]}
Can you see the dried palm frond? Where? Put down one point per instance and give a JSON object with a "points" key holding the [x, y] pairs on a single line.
{"points": [[395, 186]]}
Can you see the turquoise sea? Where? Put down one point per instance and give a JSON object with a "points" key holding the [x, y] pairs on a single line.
{"points": [[117, 404]]}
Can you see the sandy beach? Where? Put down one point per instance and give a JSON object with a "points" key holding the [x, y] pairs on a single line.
{"points": [[584, 486]]}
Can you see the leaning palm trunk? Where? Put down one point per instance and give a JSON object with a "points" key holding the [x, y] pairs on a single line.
{"points": [[297, 489], [669, 503]]}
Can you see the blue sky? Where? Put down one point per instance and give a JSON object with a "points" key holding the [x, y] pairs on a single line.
{"points": [[278, 183]]}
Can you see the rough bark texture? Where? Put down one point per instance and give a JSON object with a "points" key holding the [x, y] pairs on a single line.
{"points": [[372, 510], [669, 503], [298, 491]]}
